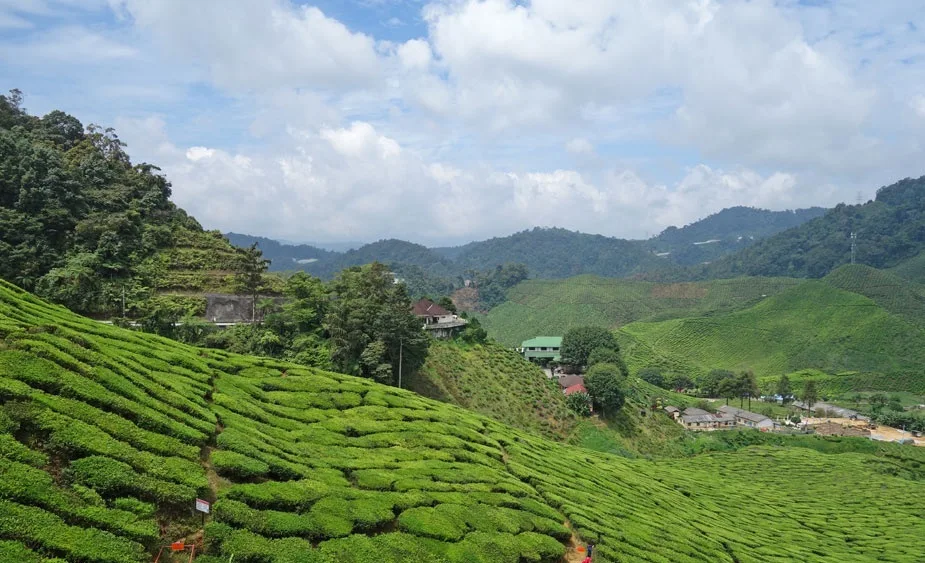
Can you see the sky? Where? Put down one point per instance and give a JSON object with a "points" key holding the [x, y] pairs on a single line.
{"points": [[446, 121]]}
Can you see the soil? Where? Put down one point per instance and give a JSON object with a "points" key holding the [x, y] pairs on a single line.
{"points": [[886, 433]]}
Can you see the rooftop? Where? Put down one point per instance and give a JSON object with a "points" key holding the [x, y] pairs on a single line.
{"points": [[577, 388], [570, 380], [427, 308], [543, 342], [741, 413], [692, 411], [706, 418]]}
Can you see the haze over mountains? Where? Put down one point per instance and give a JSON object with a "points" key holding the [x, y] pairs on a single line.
{"points": [[552, 252]]}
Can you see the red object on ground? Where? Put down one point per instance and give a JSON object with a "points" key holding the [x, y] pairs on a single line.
{"points": [[586, 560], [177, 546]]}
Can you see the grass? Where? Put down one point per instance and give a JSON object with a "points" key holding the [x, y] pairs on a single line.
{"points": [[322, 467], [551, 307]]}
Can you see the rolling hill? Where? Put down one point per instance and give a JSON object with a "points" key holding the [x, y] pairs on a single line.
{"points": [[813, 325], [554, 306], [107, 437]]}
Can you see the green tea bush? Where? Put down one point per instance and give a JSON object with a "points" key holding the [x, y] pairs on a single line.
{"points": [[15, 552], [113, 478], [238, 465], [443, 525]]}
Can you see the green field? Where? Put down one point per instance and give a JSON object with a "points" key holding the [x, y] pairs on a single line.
{"points": [[107, 436], [550, 307], [811, 326]]}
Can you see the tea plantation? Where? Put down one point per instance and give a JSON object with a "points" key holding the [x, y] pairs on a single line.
{"points": [[107, 437]]}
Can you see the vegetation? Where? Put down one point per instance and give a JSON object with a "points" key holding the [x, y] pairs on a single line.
{"points": [[888, 233], [111, 434], [605, 384], [580, 342], [83, 226]]}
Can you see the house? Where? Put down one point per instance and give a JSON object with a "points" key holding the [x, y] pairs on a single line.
{"points": [[692, 411], [673, 412], [748, 419], [570, 381], [706, 421], [542, 348], [438, 322], [577, 388]]}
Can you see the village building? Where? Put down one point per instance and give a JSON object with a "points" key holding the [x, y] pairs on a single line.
{"points": [[541, 348], [577, 388], [438, 322], [567, 381], [748, 419], [708, 421], [673, 412]]}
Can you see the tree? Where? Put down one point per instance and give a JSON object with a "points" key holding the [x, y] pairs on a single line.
{"points": [[473, 333], [784, 389], [748, 387], [249, 277], [810, 395], [605, 356], [678, 381], [605, 385], [447, 304], [579, 342], [728, 387], [369, 311], [579, 403], [856, 399], [709, 384], [653, 376]]}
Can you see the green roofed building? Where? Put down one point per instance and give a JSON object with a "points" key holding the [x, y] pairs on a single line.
{"points": [[542, 348]]}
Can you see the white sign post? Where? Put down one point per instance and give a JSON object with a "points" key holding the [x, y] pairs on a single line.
{"points": [[203, 506]]}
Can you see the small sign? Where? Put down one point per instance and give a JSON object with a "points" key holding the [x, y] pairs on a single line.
{"points": [[202, 505]]}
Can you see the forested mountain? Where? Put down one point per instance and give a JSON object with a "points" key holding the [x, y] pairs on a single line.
{"points": [[82, 225], [728, 231], [282, 256], [889, 229]]}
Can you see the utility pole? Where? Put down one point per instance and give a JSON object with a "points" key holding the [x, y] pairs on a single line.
{"points": [[854, 246], [123, 301], [401, 343]]}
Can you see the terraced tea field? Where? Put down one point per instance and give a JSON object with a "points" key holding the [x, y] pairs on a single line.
{"points": [[550, 307], [107, 437], [813, 326]]}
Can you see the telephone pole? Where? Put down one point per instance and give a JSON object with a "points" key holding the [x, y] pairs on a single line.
{"points": [[401, 343]]}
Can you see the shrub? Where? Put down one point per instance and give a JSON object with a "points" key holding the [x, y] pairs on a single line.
{"points": [[579, 403], [233, 464], [113, 478], [429, 522]]}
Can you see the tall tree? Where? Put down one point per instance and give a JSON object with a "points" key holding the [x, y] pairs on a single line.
{"points": [[370, 325], [784, 389], [249, 277], [728, 387], [605, 384], [748, 387], [810, 395], [579, 342]]}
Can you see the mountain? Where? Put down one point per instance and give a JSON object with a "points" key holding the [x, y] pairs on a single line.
{"points": [[728, 231], [108, 436], [890, 230], [282, 256]]}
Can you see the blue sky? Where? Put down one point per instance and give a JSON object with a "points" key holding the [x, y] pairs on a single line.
{"points": [[442, 121]]}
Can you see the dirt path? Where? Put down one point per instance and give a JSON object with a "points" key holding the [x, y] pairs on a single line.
{"points": [[886, 433]]}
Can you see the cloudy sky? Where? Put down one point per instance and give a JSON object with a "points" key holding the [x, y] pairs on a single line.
{"points": [[450, 120]]}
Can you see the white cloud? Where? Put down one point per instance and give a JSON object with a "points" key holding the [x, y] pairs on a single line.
{"points": [[918, 105], [69, 45], [579, 145], [251, 46]]}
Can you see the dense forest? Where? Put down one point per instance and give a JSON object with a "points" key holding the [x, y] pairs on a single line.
{"points": [[889, 230], [83, 226]]}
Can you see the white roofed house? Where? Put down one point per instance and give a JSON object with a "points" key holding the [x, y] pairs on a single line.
{"points": [[699, 419]]}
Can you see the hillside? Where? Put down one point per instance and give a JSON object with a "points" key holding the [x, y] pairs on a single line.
{"points": [[108, 436], [812, 325], [554, 306], [889, 232], [82, 225], [725, 232], [282, 257]]}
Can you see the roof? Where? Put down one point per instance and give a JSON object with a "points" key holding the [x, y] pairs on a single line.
{"points": [[706, 418], [570, 380], [543, 342], [741, 413], [670, 408], [691, 411], [427, 308], [577, 388]]}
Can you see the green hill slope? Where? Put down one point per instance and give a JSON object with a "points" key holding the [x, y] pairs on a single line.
{"points": [[553, 306], [107, 437], [813, 325]]}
